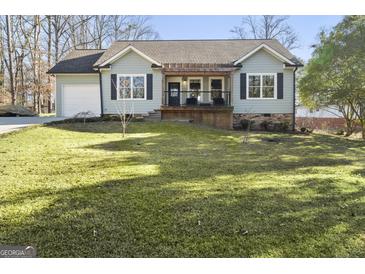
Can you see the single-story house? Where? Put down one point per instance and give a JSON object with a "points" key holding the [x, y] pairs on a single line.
{"points": [[217, 82], [325, 118]]}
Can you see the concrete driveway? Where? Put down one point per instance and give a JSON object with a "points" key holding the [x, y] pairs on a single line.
{"points": [[8, 124]]}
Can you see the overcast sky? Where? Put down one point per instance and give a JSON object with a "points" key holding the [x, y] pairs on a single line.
{"points": [[215, 27]]}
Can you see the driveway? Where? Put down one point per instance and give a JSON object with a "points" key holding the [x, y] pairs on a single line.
{"points": [[8, 124]]}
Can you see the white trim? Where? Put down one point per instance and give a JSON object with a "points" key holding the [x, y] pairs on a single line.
{"points": [[201, 85], [210, 86], [105, 69], [269, 50], [261, 86], [125, 51], [77, 74], [132, 99]]}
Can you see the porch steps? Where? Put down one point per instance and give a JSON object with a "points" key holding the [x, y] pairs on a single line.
{"points": [[153, 116]]}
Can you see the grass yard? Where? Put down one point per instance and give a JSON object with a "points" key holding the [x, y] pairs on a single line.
{"points": [[175, 190]]}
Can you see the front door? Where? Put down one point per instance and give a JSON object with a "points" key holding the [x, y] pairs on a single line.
{"points": [[174, 93]]}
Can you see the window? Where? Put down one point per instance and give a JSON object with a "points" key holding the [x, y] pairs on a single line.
{"points": [[131, 87], [195, 86], [216, 88], [262, 86]]}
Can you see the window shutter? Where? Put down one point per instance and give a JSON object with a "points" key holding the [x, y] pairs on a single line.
{"points": [[243, 86], [280, 86], [113, 87], [149, 86]]}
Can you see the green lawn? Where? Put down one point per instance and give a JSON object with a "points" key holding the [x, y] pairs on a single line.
{"points": [[175, 190]]}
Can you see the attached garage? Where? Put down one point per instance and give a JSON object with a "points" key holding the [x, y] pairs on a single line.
{"points": [[77, 93], [80, 98]]}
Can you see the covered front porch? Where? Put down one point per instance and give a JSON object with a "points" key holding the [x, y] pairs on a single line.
{"points": [[200, 93]]}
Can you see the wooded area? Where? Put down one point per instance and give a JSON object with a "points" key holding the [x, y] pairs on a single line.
{"points": [[30, 45]]}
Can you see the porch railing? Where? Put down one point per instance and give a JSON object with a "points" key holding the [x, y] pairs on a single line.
{"points": [[197, 98]]}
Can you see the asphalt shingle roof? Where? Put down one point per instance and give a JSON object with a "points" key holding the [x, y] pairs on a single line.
{"points": [[195, 51], [170, 52], [78, 61]]}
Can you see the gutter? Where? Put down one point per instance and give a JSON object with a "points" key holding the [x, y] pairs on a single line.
{"points": [[294, 87]]}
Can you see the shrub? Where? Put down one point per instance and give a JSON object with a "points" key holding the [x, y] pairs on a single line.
{"points": [[285, 126], [281, 126], [303, 129], [245, 124], [266, 125]]}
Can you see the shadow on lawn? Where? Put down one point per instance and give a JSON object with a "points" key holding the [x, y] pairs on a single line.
{"points": [[187, 211], [131, 218]]}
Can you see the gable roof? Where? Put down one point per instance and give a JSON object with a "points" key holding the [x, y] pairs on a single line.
{"points": [[125, 51], [267, 49], [196, 51], [78, 61], [166, 52]]}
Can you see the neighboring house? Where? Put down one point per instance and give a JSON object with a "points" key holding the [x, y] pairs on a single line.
{"points": [[218, 82], [321, 118]]}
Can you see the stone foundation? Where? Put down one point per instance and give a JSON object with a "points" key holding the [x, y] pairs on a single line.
{"points": [[259, 118]]}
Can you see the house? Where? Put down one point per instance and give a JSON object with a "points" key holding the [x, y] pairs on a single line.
{"points": [[322, 118], [216, 82]]}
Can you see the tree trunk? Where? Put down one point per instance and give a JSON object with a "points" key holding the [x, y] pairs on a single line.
{"points": [[349, 127], [49, 61], [9, 33]]}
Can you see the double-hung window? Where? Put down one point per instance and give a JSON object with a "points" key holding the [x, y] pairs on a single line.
{"points": [[131, 87], [261, 86]]}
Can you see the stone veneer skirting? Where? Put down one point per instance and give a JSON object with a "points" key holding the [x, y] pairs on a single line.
{"points": [[258, 118]]}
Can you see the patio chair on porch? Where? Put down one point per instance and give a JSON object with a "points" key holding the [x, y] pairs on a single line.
{"points": [[191, 101], [218, 101]]}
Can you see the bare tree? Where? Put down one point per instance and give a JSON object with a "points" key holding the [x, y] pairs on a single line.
{"points": [[100, 30], [125, 111], [1, 63], [32, 44], [267, 27], [49, 60], [10, 60]]}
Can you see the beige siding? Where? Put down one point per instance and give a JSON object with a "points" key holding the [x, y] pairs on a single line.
{"points": [[263, 62], [132, 63], [71, 79]]}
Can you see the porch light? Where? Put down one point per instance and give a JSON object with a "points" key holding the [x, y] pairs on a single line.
{"points": [[184, 80]]}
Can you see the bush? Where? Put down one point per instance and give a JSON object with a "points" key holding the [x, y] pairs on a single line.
{"points": [[281, 126], [266, 125], [340, 132], [303, 129], [285, 126], [105, 118], [245, 124]]}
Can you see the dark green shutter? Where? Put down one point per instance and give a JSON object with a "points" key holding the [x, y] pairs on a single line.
{"points": [[113, 87], [243, 85], [280, 86], [149, 86]]}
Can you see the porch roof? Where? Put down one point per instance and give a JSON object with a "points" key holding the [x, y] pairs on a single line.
{"points": [[197, 68]]}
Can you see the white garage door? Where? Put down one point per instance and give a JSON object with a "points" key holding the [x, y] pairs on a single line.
{"points": [[81, 98]]}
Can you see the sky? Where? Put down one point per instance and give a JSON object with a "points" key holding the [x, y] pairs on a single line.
{"points": [[218, 27]]}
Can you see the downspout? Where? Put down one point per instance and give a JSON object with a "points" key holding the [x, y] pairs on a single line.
{"points": [[294, 87], [101, 94]]}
